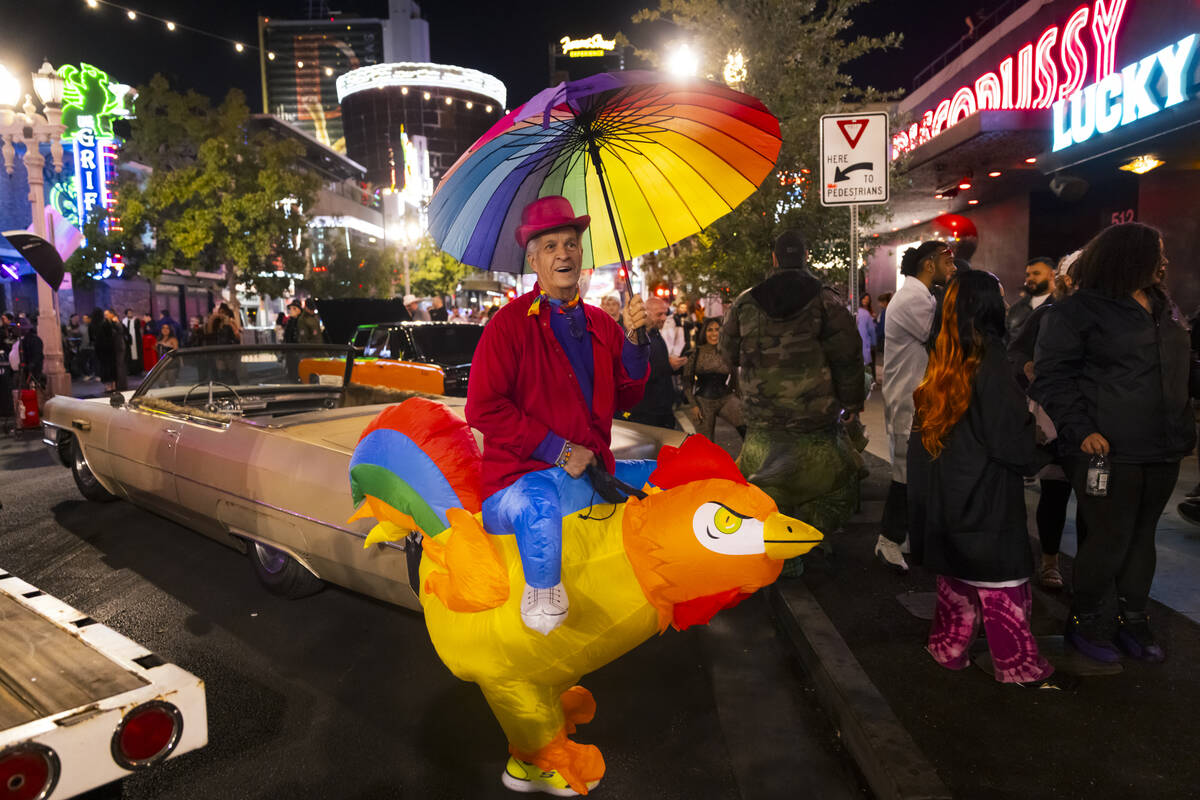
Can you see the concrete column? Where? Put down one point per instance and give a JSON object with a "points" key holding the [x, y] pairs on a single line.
{"points": [[58, 380]]}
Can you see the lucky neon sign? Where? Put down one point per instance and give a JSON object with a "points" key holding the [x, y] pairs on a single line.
{"points": [[1126, 96], [1051, 68], [88, 93]]}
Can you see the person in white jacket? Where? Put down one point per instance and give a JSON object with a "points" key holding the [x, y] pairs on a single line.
{"points": [[906, 332]]}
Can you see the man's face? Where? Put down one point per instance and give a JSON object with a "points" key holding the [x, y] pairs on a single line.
{"points": [[943, 265], [128, 314], [611, 306], [438, 302], [656, 313], [293, 311], [556, 258], [1039, 278], [681, 309], [412, 306]]}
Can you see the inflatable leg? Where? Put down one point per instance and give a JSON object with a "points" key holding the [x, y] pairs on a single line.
{"points": [[534, 721], [530, 510], [579, 707]]}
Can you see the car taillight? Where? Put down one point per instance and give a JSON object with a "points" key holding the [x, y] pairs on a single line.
{"points": [[147, 734], [28, 772]]}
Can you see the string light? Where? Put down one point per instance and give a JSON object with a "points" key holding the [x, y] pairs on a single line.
{"points": [[470, 105], [489, 109], [328, 71], [403, 90], [449, 100], [427, 95], [134, 15], [299, 65]]}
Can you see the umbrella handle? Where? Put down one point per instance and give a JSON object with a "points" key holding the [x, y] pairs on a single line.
{"points": [[627, 289]]}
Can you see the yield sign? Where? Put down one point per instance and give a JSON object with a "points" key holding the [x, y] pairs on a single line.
{"points": [[860, 126]]}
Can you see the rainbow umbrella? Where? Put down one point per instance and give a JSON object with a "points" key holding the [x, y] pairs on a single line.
{"points": [[652, 159]]}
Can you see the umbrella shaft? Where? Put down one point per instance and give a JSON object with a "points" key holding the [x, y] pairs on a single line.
{"points": [[594, 151]]}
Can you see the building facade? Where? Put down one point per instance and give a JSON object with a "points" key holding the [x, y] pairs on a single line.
{"points": [[1058, 119]]}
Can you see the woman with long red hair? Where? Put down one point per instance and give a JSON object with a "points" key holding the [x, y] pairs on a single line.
{"points": [[972, 442]]}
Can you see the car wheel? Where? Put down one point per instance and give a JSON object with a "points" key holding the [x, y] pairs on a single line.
{"points": [[89, 487], [282, 574]]}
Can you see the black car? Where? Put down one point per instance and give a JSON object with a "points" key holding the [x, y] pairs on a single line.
{"points": [[447, 345]]}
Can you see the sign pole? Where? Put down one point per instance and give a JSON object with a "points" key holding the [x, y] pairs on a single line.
{"points": [[853, 293]]}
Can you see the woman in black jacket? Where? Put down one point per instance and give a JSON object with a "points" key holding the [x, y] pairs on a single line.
{"points": [[974, 441], [1112, 372]]}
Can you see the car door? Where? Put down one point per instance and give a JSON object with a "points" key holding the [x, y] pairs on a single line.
{"points": [[143, 448]]}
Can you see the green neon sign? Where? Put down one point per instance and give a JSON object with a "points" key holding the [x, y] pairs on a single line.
{"points": [[90, 96]]}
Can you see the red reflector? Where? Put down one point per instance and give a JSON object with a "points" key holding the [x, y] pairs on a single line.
{"points": [[28, 772], [147, 734]]}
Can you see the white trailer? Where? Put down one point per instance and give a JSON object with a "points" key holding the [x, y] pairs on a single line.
{"points": [[80, 704]]}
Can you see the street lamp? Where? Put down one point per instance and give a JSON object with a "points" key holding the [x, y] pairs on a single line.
{"points": [[31, 129], [683, 61]]}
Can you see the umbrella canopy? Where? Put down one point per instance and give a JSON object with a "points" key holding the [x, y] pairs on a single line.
{"points": [[40, 254], [674, 156]]}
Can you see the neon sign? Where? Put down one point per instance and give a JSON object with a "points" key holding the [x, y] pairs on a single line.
{"points": [[379, 76], [89, 94], [1042, 72], [595, 43], [1120, 98]]}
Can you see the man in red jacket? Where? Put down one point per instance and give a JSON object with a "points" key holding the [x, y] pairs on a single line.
{"points": [[546, 379]]}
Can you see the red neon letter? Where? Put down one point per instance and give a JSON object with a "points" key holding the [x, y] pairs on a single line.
{"points": [[1047, 70], [1073, 53], [963, 105], [925, 132], [1006, 83], [987, 91], [1105, 24], [1024, 77], [941, 117]]}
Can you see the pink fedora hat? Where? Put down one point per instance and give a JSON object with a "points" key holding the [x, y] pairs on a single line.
{"points": [[547, 214]]}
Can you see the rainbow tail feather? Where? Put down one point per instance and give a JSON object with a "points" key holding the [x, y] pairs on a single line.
{"points": [[412, 464]]}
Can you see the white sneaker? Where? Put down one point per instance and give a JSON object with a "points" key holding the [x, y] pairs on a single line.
{"points": [[889, 553], [543, 610]]}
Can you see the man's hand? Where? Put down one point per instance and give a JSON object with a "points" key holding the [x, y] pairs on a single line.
{"points": [[578, 461], [677, 361], [699, 415], [635, 313], [1094, 445]]}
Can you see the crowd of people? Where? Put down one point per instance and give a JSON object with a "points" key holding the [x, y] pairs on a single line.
{"points": [[1080, 386]]}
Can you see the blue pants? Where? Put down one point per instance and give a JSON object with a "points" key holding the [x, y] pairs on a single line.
{"points": [[532, 509]]}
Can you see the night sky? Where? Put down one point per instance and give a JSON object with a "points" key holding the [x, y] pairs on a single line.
{"points": [[506, 39]]}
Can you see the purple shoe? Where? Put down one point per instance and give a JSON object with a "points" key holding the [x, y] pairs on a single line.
{"points": [[1136, 639], [1081, 637]]}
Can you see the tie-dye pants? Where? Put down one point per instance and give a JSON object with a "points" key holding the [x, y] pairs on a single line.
{"points": [[1005, 613]]}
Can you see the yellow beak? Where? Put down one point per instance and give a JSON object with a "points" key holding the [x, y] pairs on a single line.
{"points": [[787, 537]]}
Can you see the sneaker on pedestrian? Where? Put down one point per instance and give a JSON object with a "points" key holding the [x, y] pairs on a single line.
{"points": [[1083, 635], [1137, 640], [521, 776], [1190, 510], [889, 553], [1056, 681], [543, 610]]}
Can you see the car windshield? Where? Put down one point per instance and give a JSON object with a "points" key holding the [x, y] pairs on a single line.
{"points": [[447, 344], [250, 368]]}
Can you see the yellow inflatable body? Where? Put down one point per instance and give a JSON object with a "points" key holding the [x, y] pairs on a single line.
{"points": [[701, 540]]}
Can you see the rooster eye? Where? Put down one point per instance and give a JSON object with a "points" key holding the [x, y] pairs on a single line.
{"points": [[726, 521]]}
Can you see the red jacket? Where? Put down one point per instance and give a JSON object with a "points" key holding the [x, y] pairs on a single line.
{"points": [[522, 386]]}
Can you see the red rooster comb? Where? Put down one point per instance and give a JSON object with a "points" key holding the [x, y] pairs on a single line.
{"points": [[696, 459]]}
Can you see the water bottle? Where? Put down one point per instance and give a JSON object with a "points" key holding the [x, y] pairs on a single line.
{"points": [[1097, 476]]}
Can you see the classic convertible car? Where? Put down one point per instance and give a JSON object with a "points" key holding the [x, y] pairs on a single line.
{"points": [[430, 357], [228, 441]]}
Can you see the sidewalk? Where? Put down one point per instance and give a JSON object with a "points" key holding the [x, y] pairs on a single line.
{"points": [[919, 730]]}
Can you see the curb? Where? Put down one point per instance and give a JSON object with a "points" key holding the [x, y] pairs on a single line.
{"points": [[890, 761]]}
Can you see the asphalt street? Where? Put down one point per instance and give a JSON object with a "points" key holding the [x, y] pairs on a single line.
{"points": [[341, 696]]}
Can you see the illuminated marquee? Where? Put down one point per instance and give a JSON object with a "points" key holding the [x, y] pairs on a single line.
{"points": [[1134, 93], [1042, 72], [595, 45], [380, 76]]}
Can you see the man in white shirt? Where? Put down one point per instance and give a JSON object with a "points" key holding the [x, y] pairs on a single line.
{"points": [[906, 336]]}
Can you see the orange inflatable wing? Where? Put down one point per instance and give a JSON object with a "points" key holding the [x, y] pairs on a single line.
{"points": [[472, 577]]}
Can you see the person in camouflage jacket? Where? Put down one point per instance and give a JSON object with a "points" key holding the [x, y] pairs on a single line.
{"points": [[798, 355]]}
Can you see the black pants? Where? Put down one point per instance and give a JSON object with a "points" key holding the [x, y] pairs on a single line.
{"points": [[1052, 515], [1118, 550]]}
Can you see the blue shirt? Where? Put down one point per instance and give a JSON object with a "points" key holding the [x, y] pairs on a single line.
{"points": [[570, 329]]}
